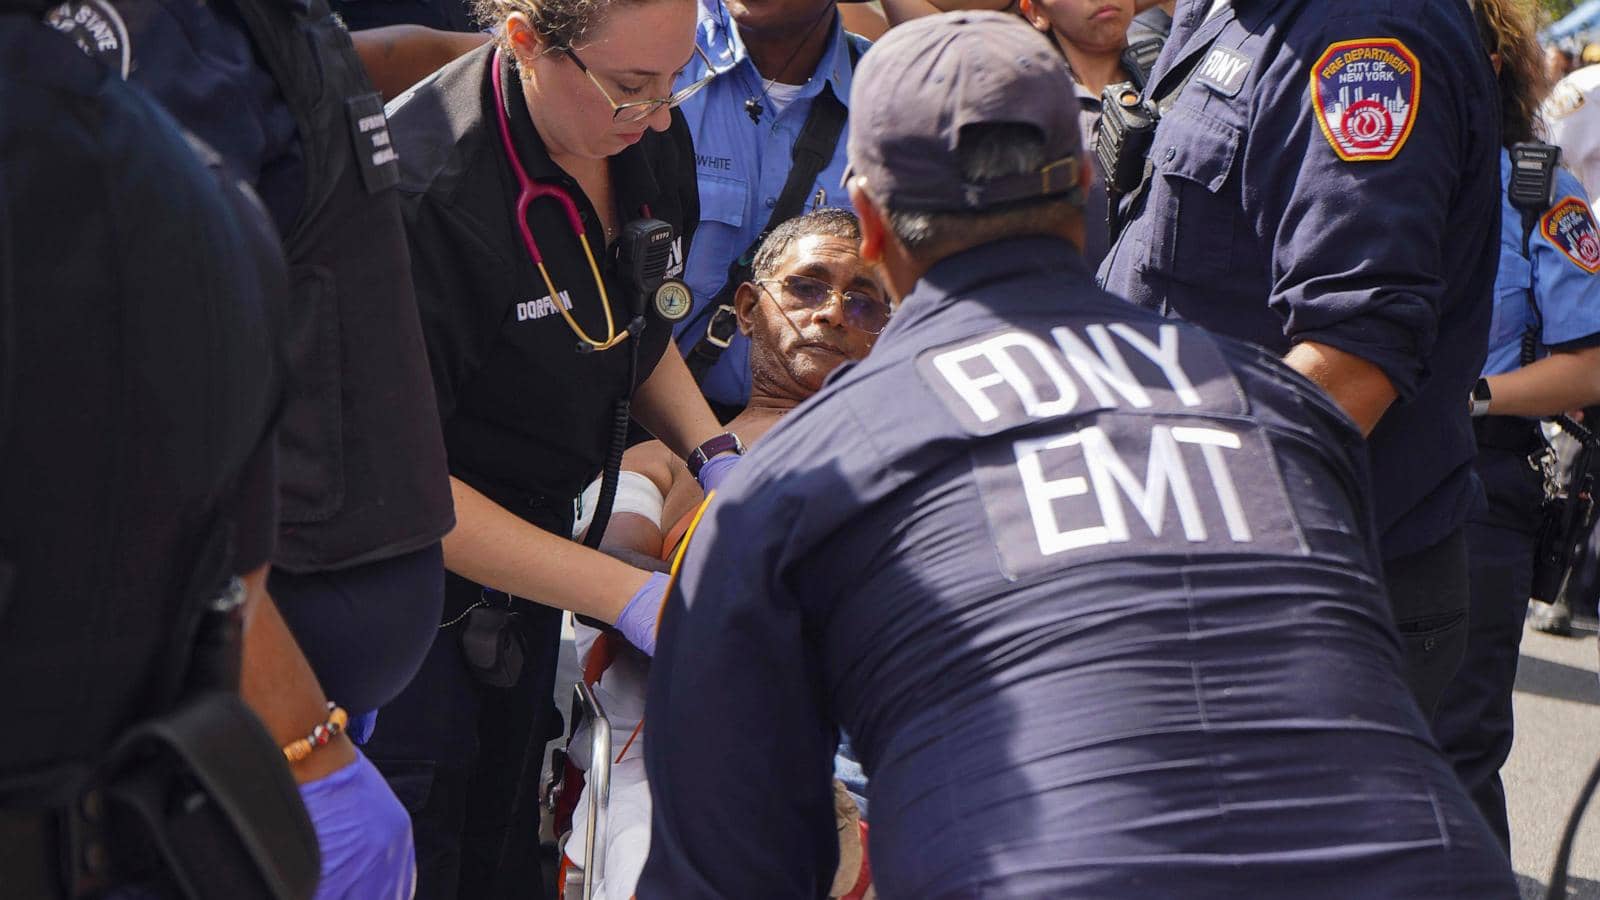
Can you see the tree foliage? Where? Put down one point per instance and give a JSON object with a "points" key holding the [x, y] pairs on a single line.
{"points": [[1547, 11]]}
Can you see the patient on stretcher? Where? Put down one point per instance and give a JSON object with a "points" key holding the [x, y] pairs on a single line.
{"points": [[811, 306]]}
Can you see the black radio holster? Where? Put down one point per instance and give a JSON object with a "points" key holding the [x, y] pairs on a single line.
{"points": [[196, 801], [1566, 517], [202, 797], [492, 645]]}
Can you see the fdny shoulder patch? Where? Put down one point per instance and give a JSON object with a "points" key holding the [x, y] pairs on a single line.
{"points": [[1365, 94], [1571, 228]]}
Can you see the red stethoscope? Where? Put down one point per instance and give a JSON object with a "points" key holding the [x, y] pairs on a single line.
{"points": [[530, 191]]}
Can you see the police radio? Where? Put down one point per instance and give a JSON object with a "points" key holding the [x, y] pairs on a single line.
{"points": [[1123, 136], [1533, 177], [1531, 191], [643, 255], [1139, 60]]}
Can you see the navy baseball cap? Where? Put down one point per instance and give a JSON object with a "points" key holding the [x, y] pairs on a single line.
{"points": [[926, 80]]}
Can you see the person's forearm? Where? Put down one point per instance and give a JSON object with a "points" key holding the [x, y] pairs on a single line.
{"points": [[398, 56], [498, 550], [630, 536], [278, 685], [1359, 387], [862, 19], [670, 406], [1551, 386], [901, 11]]}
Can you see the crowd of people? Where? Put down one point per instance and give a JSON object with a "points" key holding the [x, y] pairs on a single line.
{"points": [[1024, 448]]}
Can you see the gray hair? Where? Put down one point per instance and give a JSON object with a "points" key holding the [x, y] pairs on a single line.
{"points": [[830, 221], [987, 152]]}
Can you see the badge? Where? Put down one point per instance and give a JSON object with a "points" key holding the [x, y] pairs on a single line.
{"points": [[673, 300], [1365, 95], [1223, 71], [98, 30], [369, 129], [1563, 101], [1571, 228]]}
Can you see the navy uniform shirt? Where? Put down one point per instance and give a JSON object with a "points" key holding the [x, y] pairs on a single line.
{"points": [[527, 418], [276, 89], [1330, 174], [1093, 595], [196, 59], [138, 393], [1096, 232], [1152, 23]]}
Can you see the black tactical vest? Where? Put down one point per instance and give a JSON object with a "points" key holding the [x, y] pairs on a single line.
{"points": [[362, 464]]}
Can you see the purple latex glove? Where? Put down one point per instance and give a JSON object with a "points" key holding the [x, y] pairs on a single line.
{"points": [[361, 726], [638, 620], [364, 833], [716, 470]]}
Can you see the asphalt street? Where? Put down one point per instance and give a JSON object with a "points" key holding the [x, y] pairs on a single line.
{"points": [[1558, 741]]}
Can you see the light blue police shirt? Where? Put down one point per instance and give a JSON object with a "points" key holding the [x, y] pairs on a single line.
{"points": [[1564, 274], [742, 166]]}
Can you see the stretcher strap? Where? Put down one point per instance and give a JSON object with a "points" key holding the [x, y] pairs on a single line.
{"points": [[636, 729]]}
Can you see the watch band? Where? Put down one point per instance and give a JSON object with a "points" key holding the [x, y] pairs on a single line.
{"points": [[1480, 398], [702, 454]]}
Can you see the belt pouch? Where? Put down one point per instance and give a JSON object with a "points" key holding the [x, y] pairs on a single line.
{"points": [[492, 645], [205, 793]]}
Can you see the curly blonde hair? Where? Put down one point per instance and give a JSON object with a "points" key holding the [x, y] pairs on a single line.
{"points": [[1506, 27]]}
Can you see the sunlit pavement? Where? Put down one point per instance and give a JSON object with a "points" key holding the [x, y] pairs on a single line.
{"points": [[1558, 741]]}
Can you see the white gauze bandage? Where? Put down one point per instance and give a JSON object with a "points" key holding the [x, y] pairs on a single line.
{"points": [[635, 494]]}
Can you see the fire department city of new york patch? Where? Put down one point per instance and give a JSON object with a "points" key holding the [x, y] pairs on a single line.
{"points": [[1571, 228], [1365, 94]]}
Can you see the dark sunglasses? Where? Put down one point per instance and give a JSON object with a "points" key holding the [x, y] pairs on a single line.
{"points": [[863, 312]]}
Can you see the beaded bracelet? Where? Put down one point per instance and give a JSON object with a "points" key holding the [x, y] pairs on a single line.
{"points": [[319, 736]]}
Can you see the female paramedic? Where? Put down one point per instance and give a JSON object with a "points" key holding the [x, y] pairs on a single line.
{"points": [[1543, 359], [549, 193]]}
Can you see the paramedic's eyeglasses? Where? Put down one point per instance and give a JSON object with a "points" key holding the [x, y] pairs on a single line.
{"points": [[639, 110], [862, 311]]}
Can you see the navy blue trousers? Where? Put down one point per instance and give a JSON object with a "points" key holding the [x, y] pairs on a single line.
{"points": [[465, 757], [1473, 722]]}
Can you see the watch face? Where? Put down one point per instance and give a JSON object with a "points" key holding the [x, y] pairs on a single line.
{"points": [[673, 300]]}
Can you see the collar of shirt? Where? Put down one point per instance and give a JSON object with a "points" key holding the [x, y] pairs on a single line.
{"points": [[1196, 25], [634, 181], [1087, 100], [720, 40], [956, 277]]}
